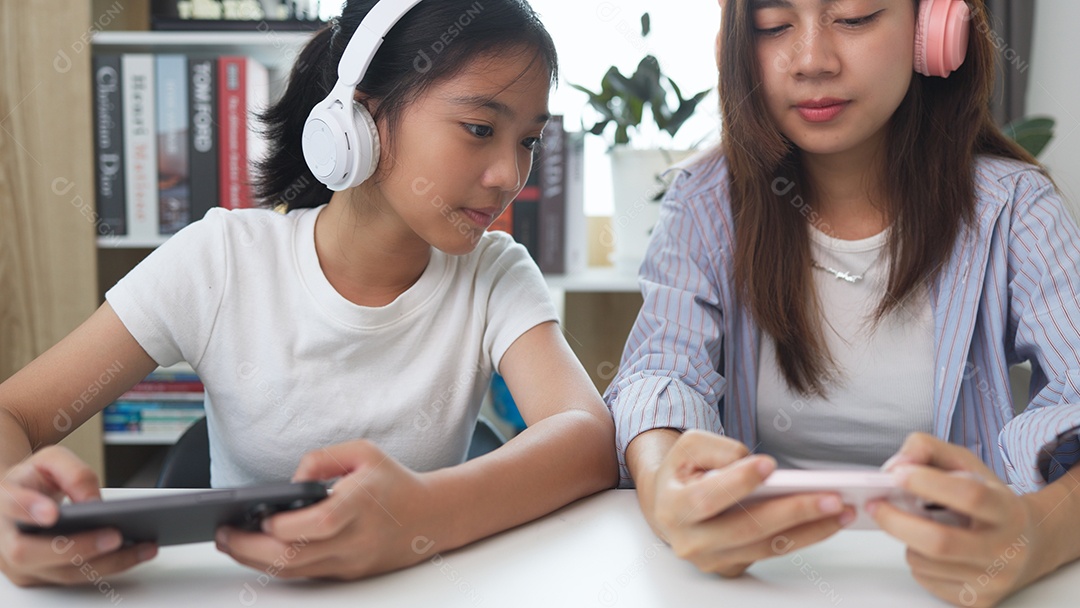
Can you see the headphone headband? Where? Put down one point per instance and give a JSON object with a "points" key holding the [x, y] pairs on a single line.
{"points": [[340, 139], [367, 39]]}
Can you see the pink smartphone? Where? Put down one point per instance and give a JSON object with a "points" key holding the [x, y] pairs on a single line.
{"points": [[855, 488]]}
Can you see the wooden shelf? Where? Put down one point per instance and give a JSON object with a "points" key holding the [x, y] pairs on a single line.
{"points": [[601, 279], [275, 50]]}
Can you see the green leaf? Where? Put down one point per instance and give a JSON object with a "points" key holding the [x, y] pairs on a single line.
{"points": [[685, 111], [1033, 133]]}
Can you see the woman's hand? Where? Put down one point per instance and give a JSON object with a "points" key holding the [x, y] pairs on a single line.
{"points": [[378, 518], [1000, 552], [30, 493], [693, 503]]}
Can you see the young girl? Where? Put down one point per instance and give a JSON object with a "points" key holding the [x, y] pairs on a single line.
{"points": [[850, 276], [352, 336]]}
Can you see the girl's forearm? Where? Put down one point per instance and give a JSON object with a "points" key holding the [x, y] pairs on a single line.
{"points": [[14, 443], [552, 463]]}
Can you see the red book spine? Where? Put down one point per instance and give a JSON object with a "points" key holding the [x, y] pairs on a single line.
{"points": [[244, 185], [167, 387], [232, 135]]}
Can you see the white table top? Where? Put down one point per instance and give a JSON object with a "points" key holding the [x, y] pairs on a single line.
{"points": [[596, 552]]}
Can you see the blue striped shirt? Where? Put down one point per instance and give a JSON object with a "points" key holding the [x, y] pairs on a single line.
{"points": [[1009, 292]]}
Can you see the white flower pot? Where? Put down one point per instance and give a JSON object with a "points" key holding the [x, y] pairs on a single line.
{"points": [[636, 181]]}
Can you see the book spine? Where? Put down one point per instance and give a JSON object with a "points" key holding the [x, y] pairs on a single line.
{"points": [[161, 396], [576, 241], [174, 186], [552, 168], [256, 100], [231, 134], [109, 144], [203, 142], [140, 151], [527, 215], [505, 221], [167, 387]]}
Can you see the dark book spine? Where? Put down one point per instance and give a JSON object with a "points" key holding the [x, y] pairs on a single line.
{"points": [[505, 221], [203, 105], [174, 186], [526, 216], [553, 199], [109, 144]]}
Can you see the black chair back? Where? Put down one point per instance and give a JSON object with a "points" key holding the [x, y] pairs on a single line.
{"points": [[187, 463]]}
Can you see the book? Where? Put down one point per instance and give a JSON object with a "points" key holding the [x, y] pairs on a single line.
{"points": [[526, 215], [576, 240], [257, 99], [505, 221], [552, 207], [243, 88], [140, 149], [109, 181], [203, 132], [162, 386], [261, 15], [174, 189]]}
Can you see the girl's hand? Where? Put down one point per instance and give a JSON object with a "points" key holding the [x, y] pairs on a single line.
{"points": [[693, 504], [975, 566], [30, 492], [374, 521]]}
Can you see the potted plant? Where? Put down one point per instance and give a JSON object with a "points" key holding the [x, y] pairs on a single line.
{"points": [[642, 110]]}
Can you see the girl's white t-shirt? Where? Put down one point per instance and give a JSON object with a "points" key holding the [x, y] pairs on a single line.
{"points": [[291, 366]]}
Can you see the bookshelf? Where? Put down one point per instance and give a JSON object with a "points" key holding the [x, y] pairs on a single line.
{"points": [[129, 456], [276, 50]]}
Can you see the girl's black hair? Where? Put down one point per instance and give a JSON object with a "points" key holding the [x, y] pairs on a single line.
{"points": [[433, 42]]}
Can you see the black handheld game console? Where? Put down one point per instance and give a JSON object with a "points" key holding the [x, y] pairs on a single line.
{"points": [[187, 517]]}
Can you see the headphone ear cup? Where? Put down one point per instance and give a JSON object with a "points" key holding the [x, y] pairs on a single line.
{"points": [[941, 36], [341, 146], [368, 146], [922, 26], [328, 144]]}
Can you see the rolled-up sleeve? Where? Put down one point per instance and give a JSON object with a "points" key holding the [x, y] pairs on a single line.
{"points": [[1041, 443], [668, 376]]}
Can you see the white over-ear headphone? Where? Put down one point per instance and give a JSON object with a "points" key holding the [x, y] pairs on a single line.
{"points": [[340, 141]]}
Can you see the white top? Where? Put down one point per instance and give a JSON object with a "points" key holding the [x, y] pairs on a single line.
{"points": [[884, 389], [291, 366]]}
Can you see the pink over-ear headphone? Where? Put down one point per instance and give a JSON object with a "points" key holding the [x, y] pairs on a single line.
{"points": [[941, 36]]}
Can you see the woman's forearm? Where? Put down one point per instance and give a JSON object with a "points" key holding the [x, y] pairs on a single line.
{"points": [[643, 457], [1055, 508], [552, 463]]}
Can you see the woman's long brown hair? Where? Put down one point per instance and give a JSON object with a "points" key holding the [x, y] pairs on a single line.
{"points": [[933, 140]]}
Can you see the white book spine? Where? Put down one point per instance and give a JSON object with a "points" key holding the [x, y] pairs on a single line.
{"points": [[140, 146], [577, 243]]}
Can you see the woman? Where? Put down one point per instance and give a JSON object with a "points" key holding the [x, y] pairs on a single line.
{"points": [[847, 280]]}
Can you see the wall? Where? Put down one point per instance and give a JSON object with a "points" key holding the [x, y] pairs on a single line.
{"points": [[1054, 90], [47, 273]]}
